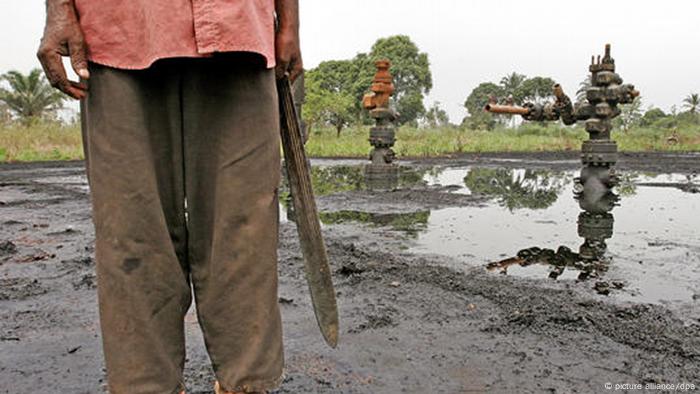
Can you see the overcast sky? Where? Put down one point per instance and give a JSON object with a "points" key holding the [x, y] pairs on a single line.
{"points": [[656, 44]]}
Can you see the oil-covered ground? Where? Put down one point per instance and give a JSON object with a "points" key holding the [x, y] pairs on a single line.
{"points": [[467, 278]]}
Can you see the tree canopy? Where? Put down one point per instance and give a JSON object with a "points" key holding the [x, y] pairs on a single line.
{"points": [[30, 96], [351, 79], [511, 83], [518, 86], [535, 89], [651, 116], [411, 71], [692, 103], [533, 189], [479, 97], [335, 107]]}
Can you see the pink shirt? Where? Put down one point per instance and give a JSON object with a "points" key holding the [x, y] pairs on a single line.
{"points": [[132, 34]]}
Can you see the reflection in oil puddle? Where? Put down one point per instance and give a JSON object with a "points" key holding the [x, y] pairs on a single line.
{"points": [[534, 228], [516, 189], [333, 179], [410, 223], [344, 178], [595, 226], [654, 252]]}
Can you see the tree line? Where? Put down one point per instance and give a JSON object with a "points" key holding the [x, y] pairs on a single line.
{"points": [[518, 88], [334, 91]]}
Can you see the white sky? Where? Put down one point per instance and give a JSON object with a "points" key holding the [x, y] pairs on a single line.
{"points": [[656, 44]]}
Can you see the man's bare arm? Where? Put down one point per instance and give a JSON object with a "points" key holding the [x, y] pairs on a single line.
{"points": [[287, 48], [63, 37]]}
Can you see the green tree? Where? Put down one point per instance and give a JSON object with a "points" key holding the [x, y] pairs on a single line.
{"points": [[436, 116], [511, 83], [30, 96], [582, 92], [353, 78], [478, 118], [510, 86], [340, 77], [535, 89], [692, 102], [333, 75], [651, 116], [480, 96], [630, 114], [335, 107], [411, 71]]}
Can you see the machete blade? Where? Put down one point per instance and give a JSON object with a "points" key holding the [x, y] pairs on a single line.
{"points": [[318, 272]]}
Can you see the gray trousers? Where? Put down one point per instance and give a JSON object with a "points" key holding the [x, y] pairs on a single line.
{"points": [[183, 162]]}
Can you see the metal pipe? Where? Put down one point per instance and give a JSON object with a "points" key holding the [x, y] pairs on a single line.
{"points": [[506, 109]]}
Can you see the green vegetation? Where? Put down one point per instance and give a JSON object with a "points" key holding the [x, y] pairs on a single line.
{"points": [[31, 131], [55, 141], [29, 97], [29, 128], [515, 87], [533, 189], [692, 103], [335, 88], [410, 223], [40, 141], [416, 142]]}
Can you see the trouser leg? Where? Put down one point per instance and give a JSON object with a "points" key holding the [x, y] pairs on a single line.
{"points": [[133, 145], [232, 152]]}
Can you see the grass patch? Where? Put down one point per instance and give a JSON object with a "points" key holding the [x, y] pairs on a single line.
{"points": [[44, 141], [41, 141], [531, 137]]}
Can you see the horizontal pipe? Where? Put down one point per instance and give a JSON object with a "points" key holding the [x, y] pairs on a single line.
{"points": [[506, 109]]}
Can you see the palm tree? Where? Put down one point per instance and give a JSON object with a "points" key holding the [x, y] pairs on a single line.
{"points": [[512, 82], [692, 102], [30, 96], [510, 85], [533, 189], [581, 93]]}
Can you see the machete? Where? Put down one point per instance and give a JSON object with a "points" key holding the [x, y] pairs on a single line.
{"points": [[318, 272]]}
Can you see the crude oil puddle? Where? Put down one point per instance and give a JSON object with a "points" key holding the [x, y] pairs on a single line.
{"points": [[532, 228], [653, 254]]}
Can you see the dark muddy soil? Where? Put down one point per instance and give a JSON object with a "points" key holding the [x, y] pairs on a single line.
{"points": [[409, 322]]}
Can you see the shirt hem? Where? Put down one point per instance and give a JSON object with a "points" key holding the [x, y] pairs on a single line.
{"points": [[106, 61]]}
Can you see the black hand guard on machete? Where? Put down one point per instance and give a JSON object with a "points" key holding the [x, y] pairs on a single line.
{"points": [[318, 273]]}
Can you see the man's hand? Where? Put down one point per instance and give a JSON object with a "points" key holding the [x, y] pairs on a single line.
{"points": [[287, 49], [63, 37]]}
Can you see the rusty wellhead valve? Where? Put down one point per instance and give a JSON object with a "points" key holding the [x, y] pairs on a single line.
{"points": [[382, 136], [602, 99], [381, 173], [604, 95], [594, 187]]}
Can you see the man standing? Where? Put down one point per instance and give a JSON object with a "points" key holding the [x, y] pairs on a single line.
{"points": [[181, 139]]}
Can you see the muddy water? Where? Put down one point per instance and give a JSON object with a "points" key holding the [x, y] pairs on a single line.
{"points": [[652, 256], [654, 250]]}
